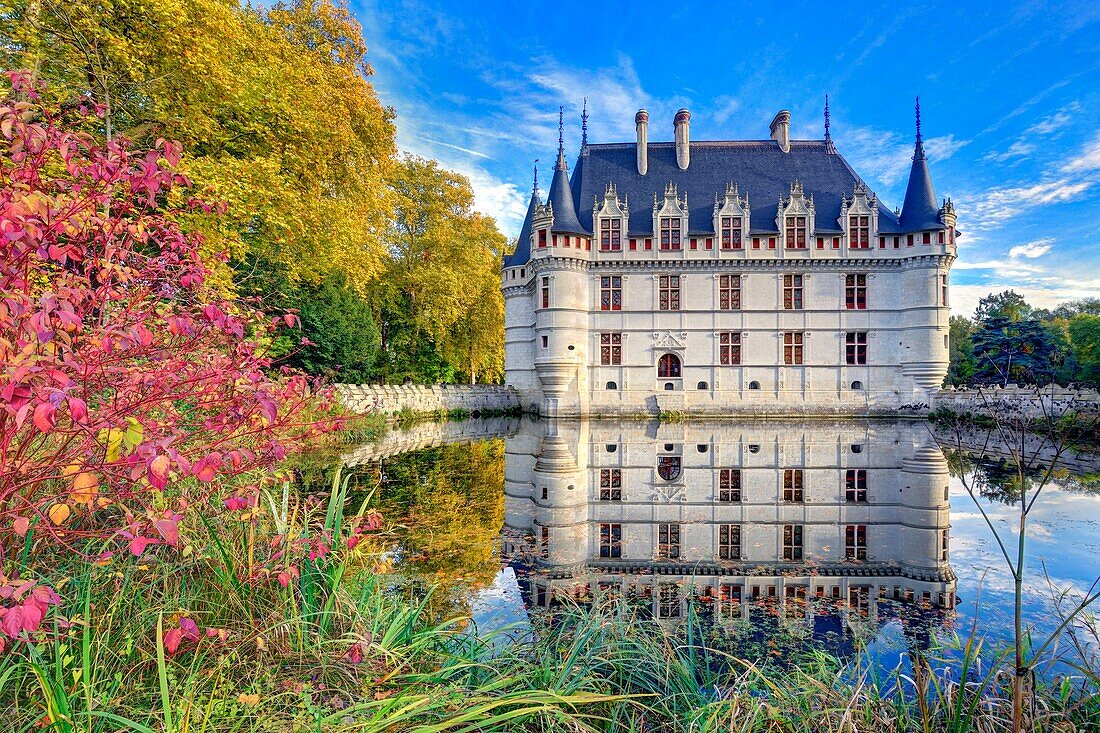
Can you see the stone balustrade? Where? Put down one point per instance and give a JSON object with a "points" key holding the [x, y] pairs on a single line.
{"points": [[1017, 400], [393, 398]]}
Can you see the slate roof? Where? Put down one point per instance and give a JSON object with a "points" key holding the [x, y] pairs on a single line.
{"points": [[523, 245], [920, 210], [561, 198], [758, 167]]}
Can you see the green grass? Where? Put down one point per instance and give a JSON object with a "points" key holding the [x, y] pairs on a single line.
{"points": [[341, 649]]}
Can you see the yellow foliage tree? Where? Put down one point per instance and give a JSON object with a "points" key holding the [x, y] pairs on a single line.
{"points": [[443, 269], [273, 107]]}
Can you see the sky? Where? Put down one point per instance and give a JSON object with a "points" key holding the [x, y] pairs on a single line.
{"points": [[1010, 104]]}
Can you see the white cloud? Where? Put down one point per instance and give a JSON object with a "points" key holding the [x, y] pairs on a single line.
{"points": [[997, 205], [499, 199], [964, 298], [1088, 160], [886, 156], [942, 148], [1018, 149], [723, 108], [459, 148], [1031, 250], [1056, 121]]}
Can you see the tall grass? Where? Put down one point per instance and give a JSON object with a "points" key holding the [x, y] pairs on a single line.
{"points": [[341, 649]]}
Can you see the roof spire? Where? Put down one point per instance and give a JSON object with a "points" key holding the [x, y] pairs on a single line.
{"points": [[918, 152], [584, 124], [828, 137], [561, 139], [535, 186], [920, 209]]}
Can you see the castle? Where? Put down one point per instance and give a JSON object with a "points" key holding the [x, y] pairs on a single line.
{"points": [[741, 277]]}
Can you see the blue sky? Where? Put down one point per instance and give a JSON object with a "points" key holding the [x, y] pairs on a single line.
{"points": [[1010, 102]]}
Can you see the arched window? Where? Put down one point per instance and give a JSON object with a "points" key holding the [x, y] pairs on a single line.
{"points": [[754, 385], [701, 385], [612, 385], [668, 366], [668, 467], [857, 384]]}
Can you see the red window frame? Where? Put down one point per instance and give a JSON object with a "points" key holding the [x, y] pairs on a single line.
{"points": [[855, 291], [611, 292], [729, 292], [670, 233], [796, 232], [729, 348], [611, 349], [668, 296]]}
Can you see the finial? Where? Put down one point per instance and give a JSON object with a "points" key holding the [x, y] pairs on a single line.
{"points": [[561, 138], [584, 124], [918, 153], [535, 186], [561, 127], [828, 134]]}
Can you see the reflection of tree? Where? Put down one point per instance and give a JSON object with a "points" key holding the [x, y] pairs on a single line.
{"points": [[450, 503]]}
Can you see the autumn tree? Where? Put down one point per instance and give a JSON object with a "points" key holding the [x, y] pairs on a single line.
{"points": [[272, 107], [440, 305], [127, 390]]}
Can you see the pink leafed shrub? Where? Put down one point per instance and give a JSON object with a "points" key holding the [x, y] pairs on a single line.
{"points": [[128, 391]]}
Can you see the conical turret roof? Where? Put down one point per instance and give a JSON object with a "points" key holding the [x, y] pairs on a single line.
{"points": [[920, 210], [561, 193], [523, 245]]}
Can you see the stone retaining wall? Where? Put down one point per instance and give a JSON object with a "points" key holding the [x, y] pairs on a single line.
{"points": [[393, 398], [1015, 400]]}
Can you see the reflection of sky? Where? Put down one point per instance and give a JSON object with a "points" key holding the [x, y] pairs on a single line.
{"points": [[500, 605], [1063, 535]]}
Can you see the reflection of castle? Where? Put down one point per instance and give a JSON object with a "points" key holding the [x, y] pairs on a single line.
{"points": [[731, 512]]}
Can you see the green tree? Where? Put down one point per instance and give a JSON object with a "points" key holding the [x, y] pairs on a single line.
{"points": [[1084, 334], [962, 366], [1010, 345], [1008, 305]]}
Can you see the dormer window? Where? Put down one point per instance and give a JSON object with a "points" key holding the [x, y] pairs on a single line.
{"points": [[859, 232], [611, 235], [731, 232], [670, 233], [796, 232]]}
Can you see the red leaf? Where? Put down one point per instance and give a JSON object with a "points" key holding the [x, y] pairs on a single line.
{"points": [[138, 545], [44, 417], [169, 530], [12, 623], [20, 525], [172, 639], [190, 628], [78, 410]]}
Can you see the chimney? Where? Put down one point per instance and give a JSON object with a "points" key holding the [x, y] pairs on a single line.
{"points": [[682, 123], [781, 130], [641, 122]]}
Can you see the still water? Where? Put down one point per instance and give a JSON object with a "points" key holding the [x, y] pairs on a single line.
{"points": [[775, 537]]}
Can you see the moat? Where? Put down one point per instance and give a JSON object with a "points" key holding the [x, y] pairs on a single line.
{"points": [[853, 537]]}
